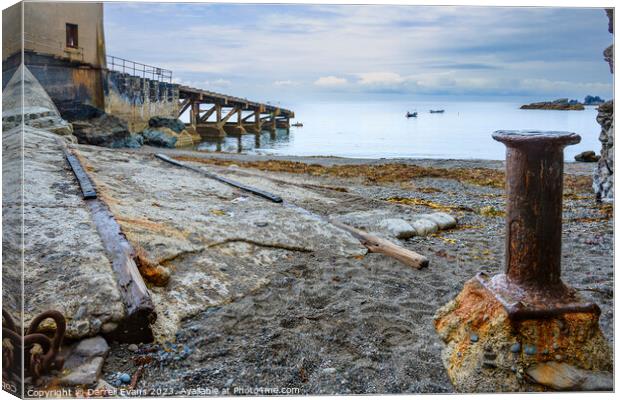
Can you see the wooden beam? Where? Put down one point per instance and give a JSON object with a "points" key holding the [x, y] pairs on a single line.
{"points": [[207, 114], [185, 104], [230, 114], [378, 245]]}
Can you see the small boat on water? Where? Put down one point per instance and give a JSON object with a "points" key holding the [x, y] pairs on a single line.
{"points": [[297, 124], [437, 111], [412, 114]]}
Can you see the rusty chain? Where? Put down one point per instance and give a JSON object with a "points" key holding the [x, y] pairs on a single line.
{"points": [[37, 361]]}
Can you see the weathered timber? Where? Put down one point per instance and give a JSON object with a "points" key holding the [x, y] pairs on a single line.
{"points": [[139, 305], [88, 190], [258, 192], [378, 245]]}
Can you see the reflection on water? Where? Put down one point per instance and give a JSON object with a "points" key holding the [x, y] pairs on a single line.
{"points": [[376, 130], [247, 143]]}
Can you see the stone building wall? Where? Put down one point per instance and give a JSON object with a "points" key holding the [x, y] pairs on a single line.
{"points": [[604, 172], [135, 99]]}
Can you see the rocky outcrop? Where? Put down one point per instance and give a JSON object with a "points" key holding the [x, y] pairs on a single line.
{"points": [[160, 137], [167, 122], [592, 100], [169, 132], [105, 130], [559, 104], [603, 182], [587, 156]]}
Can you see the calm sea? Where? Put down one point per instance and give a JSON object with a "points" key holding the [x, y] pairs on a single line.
{"points": [[380, 130]]}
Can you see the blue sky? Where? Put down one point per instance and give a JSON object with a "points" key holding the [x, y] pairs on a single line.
{"points": [[292, 52]]}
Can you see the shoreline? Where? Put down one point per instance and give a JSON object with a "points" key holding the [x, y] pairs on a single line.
{"points": [[570, 167]]}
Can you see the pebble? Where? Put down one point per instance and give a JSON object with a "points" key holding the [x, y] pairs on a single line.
{"points": [[515, 348], [530, 350], [125, 378], [133, 348], [229, 382], [473, 337], [558, 357], [262, 224], [328, 370]]}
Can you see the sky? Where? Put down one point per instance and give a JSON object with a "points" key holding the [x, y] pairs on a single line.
{"points": [[289, 53]]}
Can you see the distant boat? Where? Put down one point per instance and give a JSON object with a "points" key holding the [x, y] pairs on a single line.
{"points": [[437, 111], [412, 115], [297, 124]]}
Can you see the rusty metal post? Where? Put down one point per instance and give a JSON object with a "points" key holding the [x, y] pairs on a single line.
{"points": [[531, 286]]}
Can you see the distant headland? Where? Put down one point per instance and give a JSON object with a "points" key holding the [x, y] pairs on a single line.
{"points": [[564, 104]]}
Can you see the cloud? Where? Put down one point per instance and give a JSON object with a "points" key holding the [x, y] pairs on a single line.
{"points": [[355, 49], [380, 78], [330, 81], [287, 82]]}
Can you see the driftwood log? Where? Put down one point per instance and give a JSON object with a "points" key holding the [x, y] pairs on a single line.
{"points": [[377, 245], [139, 307]]}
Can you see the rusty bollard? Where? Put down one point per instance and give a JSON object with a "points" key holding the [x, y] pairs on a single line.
{"points": [[524, 329], [531, 286]]}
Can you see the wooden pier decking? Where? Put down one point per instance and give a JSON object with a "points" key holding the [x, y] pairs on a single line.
{"points": [[216, 114]]}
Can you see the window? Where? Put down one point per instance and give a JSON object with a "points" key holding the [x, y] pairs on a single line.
{"points": [[72, 36]]}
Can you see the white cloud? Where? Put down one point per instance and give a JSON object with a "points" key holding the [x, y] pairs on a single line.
{"points": [[286, 83], [380, 78], [329, 81]]}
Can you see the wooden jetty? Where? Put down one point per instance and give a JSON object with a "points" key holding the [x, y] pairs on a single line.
{"points": [[216, 114]]}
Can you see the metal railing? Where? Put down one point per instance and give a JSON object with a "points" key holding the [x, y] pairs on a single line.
{"points": [[138, 69]]}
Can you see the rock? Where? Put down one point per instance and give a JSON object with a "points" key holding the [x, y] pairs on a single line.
{"points": [[134, 141], [603, 181], [160, 137], [424, 227], [592, 100], [582, 344], [587, 156], [125, 378], [87, 373], [105, 130], [167, 122], [133, 348], [398, 228], [563, 376], [328, 371], [96, 346], [559, 104], [443, 220]]}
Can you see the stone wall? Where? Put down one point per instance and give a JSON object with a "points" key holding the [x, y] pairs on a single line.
{"points": [[604, 173], [73, 86], [135, 99]]}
